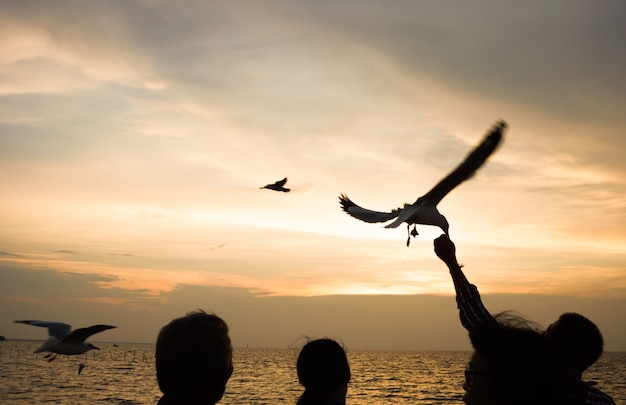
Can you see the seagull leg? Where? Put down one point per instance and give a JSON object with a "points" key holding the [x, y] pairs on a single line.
{"points": [[408, 238], [414, 231]]}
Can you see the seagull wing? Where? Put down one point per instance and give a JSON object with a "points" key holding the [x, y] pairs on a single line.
{"points": [[468, 167], [80, 335], [280, 183], [278, 186], [57, 329], [364, 214], [274, 186]]}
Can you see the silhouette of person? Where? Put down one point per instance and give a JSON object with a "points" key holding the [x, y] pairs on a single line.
{"points": [[193, 359], [576, 340], [324, 372], [512, 364]]}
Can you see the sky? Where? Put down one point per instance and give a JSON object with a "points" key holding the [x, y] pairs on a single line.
{"points": [[135, 137]]}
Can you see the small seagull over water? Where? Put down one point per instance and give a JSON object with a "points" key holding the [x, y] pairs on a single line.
{"points": [[62, 341], [424, 210], [278, 186]]}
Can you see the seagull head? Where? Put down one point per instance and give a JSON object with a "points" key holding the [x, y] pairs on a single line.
{"points": [[90, 346], [442, 223], [433, 217]]}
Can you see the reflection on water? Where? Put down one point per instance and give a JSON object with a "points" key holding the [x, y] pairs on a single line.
{"points": [[117, 375], [125, 375], [406, 377]]}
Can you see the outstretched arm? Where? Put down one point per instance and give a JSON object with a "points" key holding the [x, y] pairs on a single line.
{"points": [[471, 308]]}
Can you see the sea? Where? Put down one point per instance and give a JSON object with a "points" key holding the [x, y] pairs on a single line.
{"points": [[124, 374]]}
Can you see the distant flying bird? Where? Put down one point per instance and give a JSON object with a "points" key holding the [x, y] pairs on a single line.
{"points": [[81, 366], [278, 186], [424, 210], [62, 341]]}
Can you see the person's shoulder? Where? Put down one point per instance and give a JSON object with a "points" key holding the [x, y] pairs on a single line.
{"points": [[597, 397], [166, 401]]}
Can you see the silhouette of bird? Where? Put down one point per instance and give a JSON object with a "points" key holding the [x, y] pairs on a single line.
{"points": [[424, 210], [81, 366], [278, 186], [62, 341]]}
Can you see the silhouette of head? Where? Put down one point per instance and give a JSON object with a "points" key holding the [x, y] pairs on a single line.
{"points": [[576, 340], [512, 364], [323, 370], [194, 359]]}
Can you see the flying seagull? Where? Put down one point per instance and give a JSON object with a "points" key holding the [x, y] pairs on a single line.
{"points": [[278, 186], [424, 210], [62, 341]]}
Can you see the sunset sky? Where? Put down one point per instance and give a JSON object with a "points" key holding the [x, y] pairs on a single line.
{"points": [[135, 137]]}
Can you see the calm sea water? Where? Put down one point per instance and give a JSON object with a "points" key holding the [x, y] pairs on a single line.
{"points": [[125, 375]]}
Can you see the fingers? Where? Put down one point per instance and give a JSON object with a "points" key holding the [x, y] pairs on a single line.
{"points": [[444, 246], [442, 240]]}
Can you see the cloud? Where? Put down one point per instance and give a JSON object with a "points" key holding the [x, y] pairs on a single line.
{"points": [[9, 254], [138, 133], [67, 252], [495, 49], [409, 322], [48, 283]]}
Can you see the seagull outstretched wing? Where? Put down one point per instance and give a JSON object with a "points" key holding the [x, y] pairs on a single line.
{"points": [[364, 214], [468, 167], [80, 335], [61, 331], [57, 329]]}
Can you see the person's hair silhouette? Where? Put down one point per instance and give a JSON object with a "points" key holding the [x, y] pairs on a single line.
{"points": [[193, 359], [324, 372], [576, 340], [513, 364]]}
